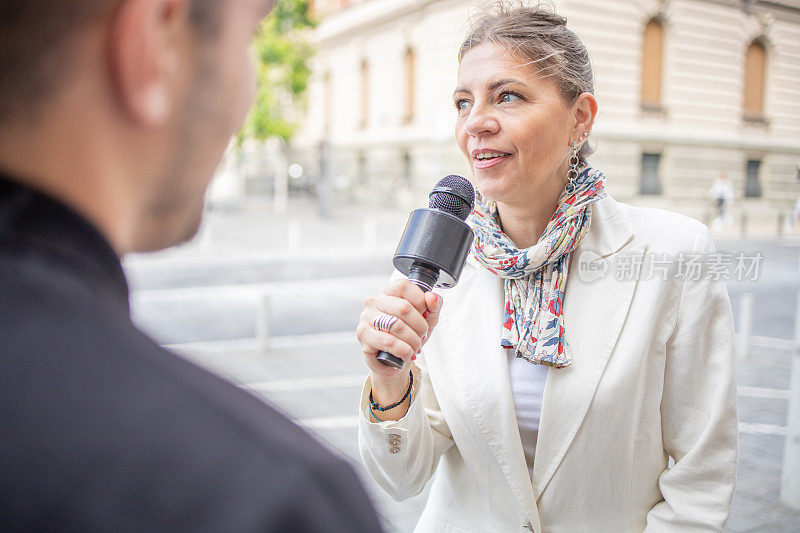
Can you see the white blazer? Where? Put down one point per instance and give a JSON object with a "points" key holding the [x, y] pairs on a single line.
{"points": [[652, 377]]}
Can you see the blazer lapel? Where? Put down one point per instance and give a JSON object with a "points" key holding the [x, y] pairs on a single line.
{"points": [[595, 307], [480, 371]]}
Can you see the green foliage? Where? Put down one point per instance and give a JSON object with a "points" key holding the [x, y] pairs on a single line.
{"points": [[281, 56]]}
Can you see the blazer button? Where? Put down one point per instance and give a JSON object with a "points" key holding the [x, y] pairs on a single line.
{"points": [[394, 449]]}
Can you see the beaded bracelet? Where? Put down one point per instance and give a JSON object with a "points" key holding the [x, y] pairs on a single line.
{"points": [[375, 406], [373, 417]]}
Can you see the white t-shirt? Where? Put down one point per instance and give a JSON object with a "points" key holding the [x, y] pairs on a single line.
{"points": [[527, 387]]}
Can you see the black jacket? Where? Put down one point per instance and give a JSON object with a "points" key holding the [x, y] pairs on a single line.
{"points": [[101, 429]]}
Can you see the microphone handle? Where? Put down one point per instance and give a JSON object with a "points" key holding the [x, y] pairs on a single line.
{"points": [[424, 277]]}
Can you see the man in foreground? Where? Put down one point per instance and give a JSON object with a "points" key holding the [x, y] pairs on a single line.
{"points": [[113, 115]]}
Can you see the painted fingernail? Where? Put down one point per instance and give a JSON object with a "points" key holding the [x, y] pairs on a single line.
{"points": [[424, 337], [414, 358], [425, 314]]}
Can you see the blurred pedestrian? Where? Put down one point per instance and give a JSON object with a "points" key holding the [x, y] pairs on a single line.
{"points": [[551, 396], [721, 192], [113, 116]]}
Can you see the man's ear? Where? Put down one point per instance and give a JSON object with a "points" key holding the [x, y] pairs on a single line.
{"points": [[147, 47], [585, 111]]}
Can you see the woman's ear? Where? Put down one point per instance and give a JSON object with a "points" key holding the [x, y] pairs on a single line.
{"points": [[584, 112]]}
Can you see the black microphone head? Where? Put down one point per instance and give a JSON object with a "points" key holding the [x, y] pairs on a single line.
{"points": [[453, 194]]}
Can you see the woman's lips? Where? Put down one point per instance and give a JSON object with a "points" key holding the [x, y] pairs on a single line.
{"points": [[486, 163]]}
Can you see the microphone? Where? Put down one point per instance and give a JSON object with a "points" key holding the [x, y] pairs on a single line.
{"points": [[435, 244]]}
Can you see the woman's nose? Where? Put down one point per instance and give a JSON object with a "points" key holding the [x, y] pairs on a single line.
{"points": [[481, 121]]}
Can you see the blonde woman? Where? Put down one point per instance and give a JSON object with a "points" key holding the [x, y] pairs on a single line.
{"points": [[563, 373]]}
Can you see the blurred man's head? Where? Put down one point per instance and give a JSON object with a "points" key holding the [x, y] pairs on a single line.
{"points": [[122, 108]]}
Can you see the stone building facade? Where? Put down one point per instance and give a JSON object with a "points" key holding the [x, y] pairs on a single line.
{"points": [[687, 89]]}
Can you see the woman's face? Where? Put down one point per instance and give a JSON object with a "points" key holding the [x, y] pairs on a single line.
{"points": [[513, 127]]}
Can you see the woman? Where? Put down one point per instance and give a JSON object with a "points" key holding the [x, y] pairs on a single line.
{"points": [[578, 354]]}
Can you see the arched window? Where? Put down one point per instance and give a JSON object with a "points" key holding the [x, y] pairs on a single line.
{"points": [[364, 94], [410, 60], [652, 58], [755, 63]]}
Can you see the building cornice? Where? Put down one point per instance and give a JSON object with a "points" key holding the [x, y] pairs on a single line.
{"points": [[782, 10], [790, 5], [637, 135], [696, 138], [365, 16], [370, 16]]}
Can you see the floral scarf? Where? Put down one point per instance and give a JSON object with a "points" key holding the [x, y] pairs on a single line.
{"points": [[534, 279]]}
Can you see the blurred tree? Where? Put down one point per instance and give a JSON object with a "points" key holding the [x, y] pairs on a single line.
{"points": [[281, 53]]}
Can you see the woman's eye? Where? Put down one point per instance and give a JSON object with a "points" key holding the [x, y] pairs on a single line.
{"points": [[510, 97], [462, 105]]}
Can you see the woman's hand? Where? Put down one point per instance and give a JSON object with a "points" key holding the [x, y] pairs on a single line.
{"points": [[417, 313]]}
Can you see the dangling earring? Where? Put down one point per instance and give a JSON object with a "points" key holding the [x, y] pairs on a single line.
{"points": [[572, 173], [574, 160]]}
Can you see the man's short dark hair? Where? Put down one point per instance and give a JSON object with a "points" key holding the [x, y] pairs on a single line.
{"points": [[35, 38]]}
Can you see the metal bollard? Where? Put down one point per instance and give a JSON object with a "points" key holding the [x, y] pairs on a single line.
{"points": [[369, 232], [205, 239], [745, 325], [263, 316], [790, 478], [293, 235], [743, 225]]}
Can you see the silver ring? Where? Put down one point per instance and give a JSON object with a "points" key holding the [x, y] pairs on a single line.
{"points": [[383, 322], [422, 285]]}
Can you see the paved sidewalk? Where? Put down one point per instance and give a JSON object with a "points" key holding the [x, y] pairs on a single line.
{"points": [[256, 228], [763, 380]]}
